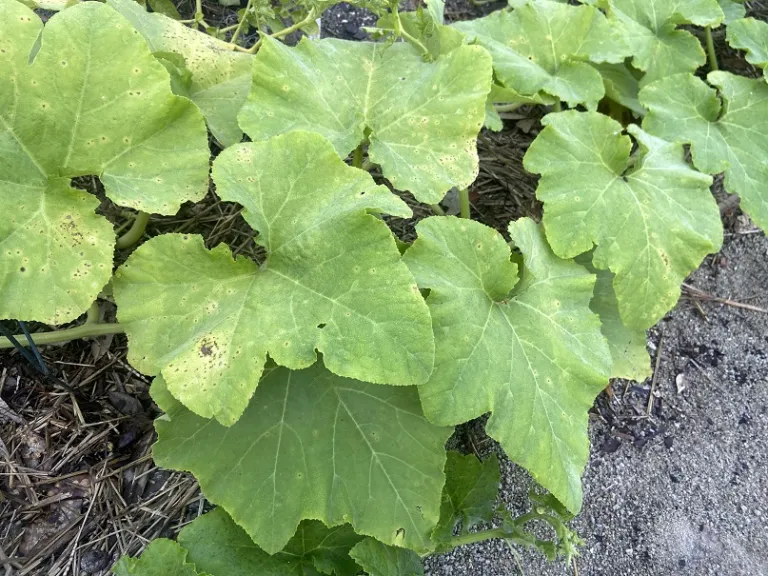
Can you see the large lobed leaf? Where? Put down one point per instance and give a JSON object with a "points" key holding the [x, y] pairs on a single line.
{"points": [[378, 559], [213, 545], [732, 9], [469, 496], [727, 129], [162, 557], [219, 547], [314, 445], [533, 356], [750, 35], [651, 216], [333, 282], [423, 117], [546, 47], [219, 77], [90, 100], [651, 28]]}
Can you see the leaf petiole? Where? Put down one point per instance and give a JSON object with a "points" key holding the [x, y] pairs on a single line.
{"points": [[464, 203], [281, 34], [711, 53], [239, 27], [135, 232], [87, 330]]}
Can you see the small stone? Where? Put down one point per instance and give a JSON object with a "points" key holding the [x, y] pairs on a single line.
{"points": [[611, 445], [94, 561], [680, 382]]}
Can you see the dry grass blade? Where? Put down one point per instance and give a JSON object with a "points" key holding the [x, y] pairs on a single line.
{"points": [[695, 293]]}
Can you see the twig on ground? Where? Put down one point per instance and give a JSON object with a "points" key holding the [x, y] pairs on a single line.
{"points": [[655, 375], [701, 295]]}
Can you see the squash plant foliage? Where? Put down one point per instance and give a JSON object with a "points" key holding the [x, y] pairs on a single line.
{"points": [[312, 393]]}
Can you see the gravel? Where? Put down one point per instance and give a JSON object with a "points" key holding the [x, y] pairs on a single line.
{"points": [[686, 491]]}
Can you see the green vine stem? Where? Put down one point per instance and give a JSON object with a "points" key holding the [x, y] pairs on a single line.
{"points": [[87, 330], [281, 34], [512, 530], [437, 209], [711, 54], [199, 17], [403, 33], [135, 232], [558, 107], [464, 203], [474, 537], [240, 23]]}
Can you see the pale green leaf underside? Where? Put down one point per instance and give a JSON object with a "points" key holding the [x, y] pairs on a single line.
{"points": [[730, 137], [733, 10], [627, 345], [220, 77], [424, 117], [333, 282], [653, 223], [219, 547], [535, 358], [621, 86], [162, 557], [314, 445], [93, 101], [378, 559], [650, 27], [751, 36], [470, 493], [545, 47]]}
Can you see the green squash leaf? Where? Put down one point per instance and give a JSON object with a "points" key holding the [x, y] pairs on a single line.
{"points": [[652, 217], [733, 10], [751, 36], [545, 47], [378, 559], [469, 496], [162, 557], [534, 356], [53, 5], [621, 86], [423, 117], [492, 120], [220, 78], [436, 11], [165, 8], [728, 136], [333, 282], [627, 345], [93, 100], [424, 28], [314, 445], [219, 547], [651, 27]]}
